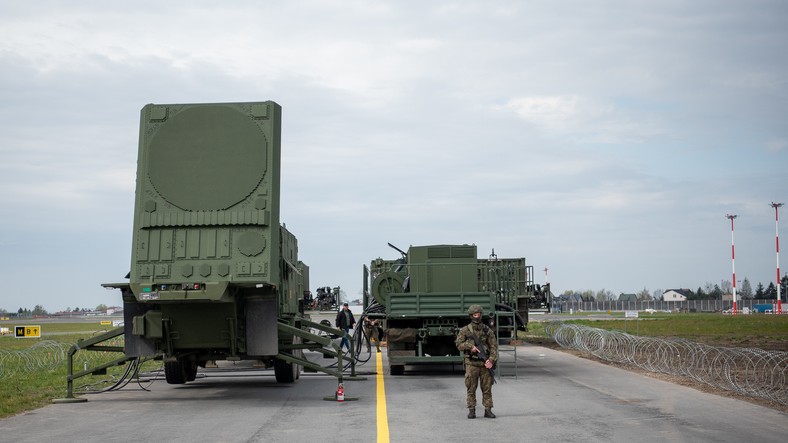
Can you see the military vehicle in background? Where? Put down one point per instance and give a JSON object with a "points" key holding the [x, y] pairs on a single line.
{"points": [[214, 274], [327, 299], [423, 299]]}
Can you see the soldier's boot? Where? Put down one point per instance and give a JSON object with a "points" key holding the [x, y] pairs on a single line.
{"points": [[471, 412], [488, 413]]}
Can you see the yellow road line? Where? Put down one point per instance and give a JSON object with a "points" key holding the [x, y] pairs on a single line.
{"points": [[382, 419]]}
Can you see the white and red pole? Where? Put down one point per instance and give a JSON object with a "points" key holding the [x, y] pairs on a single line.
{"points": [[545, 275], [733, 261], [777, 243]]}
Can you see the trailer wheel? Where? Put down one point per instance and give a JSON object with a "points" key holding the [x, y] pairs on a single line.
{"points": [[288, 372], [175, 372], [285, 372], [191, 370]]}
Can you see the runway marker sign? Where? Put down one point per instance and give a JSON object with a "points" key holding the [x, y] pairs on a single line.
{"points": [[27, 331]]}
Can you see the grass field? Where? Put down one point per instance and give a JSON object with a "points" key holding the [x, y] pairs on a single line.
{"points": [[23, 389], [751, 331]]}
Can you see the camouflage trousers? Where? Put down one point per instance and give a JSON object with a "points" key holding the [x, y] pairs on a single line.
{"points": [[473, 376], [373, 334]]}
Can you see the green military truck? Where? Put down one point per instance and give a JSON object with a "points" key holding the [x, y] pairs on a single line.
{"points": [[423, 299]]}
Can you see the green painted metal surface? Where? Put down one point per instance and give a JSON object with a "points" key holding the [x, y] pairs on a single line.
{"points": [[213, 272], [437, 304], [207, 200], [427, 292]]}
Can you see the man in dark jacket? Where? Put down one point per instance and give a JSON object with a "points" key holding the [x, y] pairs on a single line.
{"points": [[477, 370], [345, 322]]}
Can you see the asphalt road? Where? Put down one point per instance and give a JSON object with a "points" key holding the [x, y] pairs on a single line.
{"points": [[554, 397]]}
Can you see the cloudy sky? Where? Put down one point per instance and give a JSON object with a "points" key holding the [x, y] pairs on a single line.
{"points": [[604, 140]]}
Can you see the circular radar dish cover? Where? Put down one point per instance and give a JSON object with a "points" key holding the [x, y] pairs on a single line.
{"points": [[207, 158]]}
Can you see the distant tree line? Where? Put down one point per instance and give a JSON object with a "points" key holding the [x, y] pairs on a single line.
{"points": [[39, 310], [709, 291]]}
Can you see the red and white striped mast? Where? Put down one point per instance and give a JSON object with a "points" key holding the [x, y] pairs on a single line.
{"points": [[777, 243], [733, 262]]}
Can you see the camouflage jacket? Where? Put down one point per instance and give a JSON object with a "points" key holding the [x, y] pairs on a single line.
{"points": [[486, 337]]}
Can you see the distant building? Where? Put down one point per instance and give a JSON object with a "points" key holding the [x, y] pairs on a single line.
{"points": [[627, 297], [676, 295], [571, 298]]}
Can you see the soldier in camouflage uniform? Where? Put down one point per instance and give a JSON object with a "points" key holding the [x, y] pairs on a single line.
{"points": [[476, 369]]}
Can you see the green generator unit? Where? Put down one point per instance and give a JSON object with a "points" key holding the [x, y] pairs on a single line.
{"points": [[423, 298], [213, 271]]}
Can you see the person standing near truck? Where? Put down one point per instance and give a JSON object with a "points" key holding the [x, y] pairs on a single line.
{"points": [[477, 343], [345, 322]]}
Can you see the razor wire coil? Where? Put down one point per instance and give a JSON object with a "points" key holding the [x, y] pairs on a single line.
{"points": [[51, 355], [747, 371]]}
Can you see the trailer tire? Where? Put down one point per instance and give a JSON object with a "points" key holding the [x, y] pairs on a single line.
{"points": [[175, 372], [285, 372], [191, 370], [288, 372]]}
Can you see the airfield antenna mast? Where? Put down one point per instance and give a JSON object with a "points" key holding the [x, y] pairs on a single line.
{"points": [[733, 263], [545, 275], [777, 243]]}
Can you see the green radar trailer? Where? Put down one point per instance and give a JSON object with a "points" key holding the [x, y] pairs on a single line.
{"points": [[214, 274]]}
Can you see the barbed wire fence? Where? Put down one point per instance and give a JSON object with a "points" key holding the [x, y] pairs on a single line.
{"points": [[51, 355], [746, 371], [43, 355]]}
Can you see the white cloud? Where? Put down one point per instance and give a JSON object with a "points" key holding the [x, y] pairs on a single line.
{"points": [[582, 120], [777, 145], [552, 113]]}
